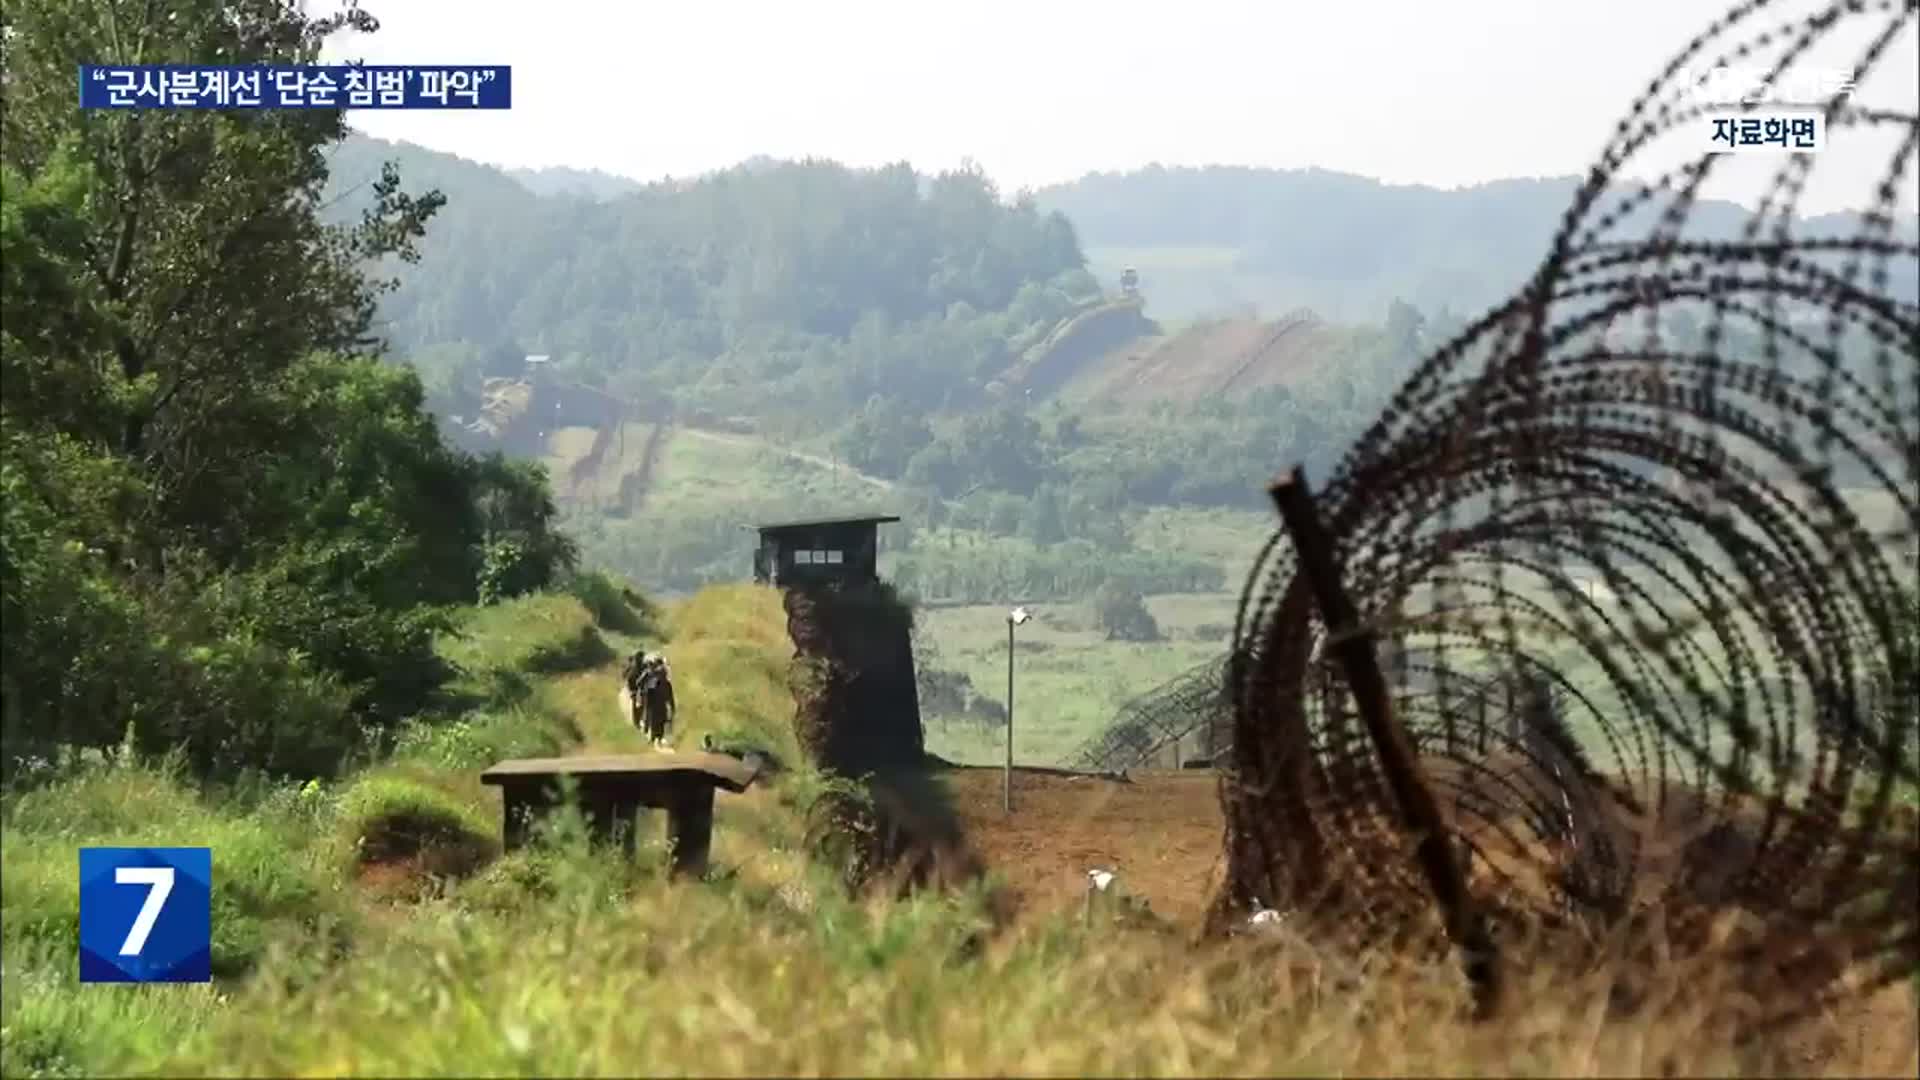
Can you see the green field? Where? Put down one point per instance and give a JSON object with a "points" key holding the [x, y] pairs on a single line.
{"points": [[1068, 679], [698, 472]]}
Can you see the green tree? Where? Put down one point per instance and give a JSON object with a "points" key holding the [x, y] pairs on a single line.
{"points": [[235, 530], [1122, 612], [883, 438], [89, 652], [1004, 513], [1041, 522], [937, 466], [1003, 449], [53, 324], [1404, 326], [201, 231], [522, 550]]}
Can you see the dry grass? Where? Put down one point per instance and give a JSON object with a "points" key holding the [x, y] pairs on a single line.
{"points": [[730, 980]]}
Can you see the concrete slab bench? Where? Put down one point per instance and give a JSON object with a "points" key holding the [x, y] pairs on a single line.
{"points": [[612, 789]]}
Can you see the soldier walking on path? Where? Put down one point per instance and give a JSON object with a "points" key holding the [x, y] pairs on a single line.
{"points": [[650, 693], [630, 685]]}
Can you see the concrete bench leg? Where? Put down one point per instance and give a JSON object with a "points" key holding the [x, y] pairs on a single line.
{"points": [[690, 831]]}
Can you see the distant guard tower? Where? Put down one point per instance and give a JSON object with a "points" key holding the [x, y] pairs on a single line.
{"points": [[856, 706], [826, 551]]}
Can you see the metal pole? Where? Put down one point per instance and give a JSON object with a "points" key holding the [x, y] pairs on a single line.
{"points": [[1351, 643], [1007, 786]]}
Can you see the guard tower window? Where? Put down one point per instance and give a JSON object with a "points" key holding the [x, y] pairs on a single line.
{"points": [[819, 551]]}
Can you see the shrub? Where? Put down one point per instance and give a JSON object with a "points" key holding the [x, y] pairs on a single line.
{"points": [[476, 740], [391, 815], [1123, 614], [613, 606], [97, 657], [270, 873], [541, 633]]}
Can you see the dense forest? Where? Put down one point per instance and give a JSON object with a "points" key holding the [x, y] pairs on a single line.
{"points": [[230, 529], [799, 289]]}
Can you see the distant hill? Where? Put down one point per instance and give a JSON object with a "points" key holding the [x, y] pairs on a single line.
{"points": [[796, 286], [355, 164], [585, 183], [1226, 239], [801, 290]]}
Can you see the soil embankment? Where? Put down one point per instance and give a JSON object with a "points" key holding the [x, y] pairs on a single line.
{"points": [[1202, 361], [1159, 831]]}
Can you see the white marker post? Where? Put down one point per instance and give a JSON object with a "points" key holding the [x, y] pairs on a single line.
{"points": [[1014, 618]]}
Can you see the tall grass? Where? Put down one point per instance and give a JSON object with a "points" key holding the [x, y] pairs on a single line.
{"points": [[567, 966], [276, 872], [559, 960], [729, 655]]}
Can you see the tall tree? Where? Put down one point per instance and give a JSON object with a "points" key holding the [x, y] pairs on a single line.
{"points": [[234, 525], [202, 234], [1041, 522]]}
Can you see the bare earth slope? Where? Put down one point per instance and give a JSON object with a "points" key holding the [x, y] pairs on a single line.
{"points": [[1209, 359], [1160, 834]]}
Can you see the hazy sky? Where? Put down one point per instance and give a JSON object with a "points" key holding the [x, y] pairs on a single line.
{"points": [[1442, 92]]}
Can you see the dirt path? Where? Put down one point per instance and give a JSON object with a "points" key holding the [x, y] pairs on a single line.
{"points": [[1160, 834], [796, 455], [635, 485]]}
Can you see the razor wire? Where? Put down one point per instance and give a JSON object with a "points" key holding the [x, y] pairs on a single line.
{"points": [[1644, 536]]}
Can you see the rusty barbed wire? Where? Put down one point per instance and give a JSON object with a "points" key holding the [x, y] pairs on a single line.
{"points": [[1195, 701], [1639, 536]]}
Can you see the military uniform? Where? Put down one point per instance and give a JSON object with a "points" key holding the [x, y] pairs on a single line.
{"points": [[650, 688]]}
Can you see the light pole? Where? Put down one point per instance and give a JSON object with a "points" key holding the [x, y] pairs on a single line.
{"points": [[1014, 618]]}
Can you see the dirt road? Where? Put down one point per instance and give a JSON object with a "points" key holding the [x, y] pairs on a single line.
{"points": [[1161, 834], [796, 455]]}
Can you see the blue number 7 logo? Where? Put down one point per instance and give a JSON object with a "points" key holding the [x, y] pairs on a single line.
{"points": [[146, 914]]}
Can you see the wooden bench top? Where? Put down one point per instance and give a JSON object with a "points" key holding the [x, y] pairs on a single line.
{"points": [[667, 766]]}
